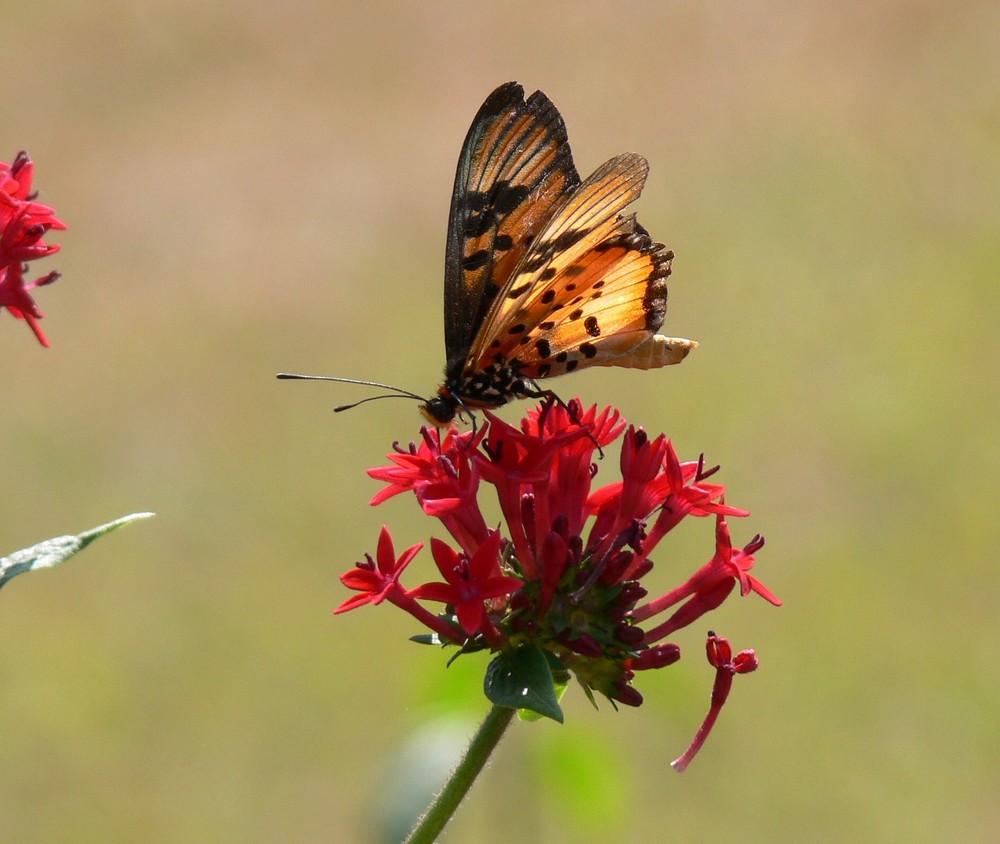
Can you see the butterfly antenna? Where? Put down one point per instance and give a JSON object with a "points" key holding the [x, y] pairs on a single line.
{"points": [[397, 390], [341, 407]]}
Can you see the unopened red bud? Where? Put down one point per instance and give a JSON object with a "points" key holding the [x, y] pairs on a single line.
{"points": [[630, 635], [584, 644], [627, 695], [630, 594], [745, 661], [719, 651], [656, 657]]}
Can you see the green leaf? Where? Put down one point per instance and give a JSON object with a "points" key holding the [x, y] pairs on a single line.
{"points": [[522, 679], [560, 682], [51, 552]]}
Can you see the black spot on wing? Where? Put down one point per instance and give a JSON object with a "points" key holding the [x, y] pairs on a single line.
{"points": [[484, 210], [568, 239], [547, 249], [476, 261], [507, 197]]}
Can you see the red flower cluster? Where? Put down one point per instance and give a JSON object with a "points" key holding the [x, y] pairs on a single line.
{"points": [[23, 224], [564, 576]]}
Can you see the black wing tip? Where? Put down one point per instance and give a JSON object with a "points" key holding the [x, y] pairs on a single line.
{"points": [[509, 99], [512, 93], [545, 112], [503, 97]]}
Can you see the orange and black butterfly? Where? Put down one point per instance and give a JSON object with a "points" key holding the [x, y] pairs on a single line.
{"points": [[543, 274]]}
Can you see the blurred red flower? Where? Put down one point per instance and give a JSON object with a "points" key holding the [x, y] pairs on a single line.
{"points": [[23, 225]]}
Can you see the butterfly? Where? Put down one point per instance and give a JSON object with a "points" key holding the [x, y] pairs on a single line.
{"points": [[543, 274]]}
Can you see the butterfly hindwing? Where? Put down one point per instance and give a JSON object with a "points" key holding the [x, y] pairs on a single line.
{"points": [[592, 287], [514, 171]]}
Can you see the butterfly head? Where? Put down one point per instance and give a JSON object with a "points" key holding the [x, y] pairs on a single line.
{"points": [[442, 408]]}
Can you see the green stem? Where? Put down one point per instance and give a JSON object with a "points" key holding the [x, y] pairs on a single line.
{"points": [[478, 753]]}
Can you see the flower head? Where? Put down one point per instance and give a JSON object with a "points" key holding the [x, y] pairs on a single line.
{"points": [[23, 225], [377, 579], [469, 583], [565, 575]]}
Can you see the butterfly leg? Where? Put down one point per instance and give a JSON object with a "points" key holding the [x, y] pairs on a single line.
{"points": [[528, 388], [464, 411]]}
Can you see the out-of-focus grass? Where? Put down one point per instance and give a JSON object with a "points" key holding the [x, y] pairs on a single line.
{"points": [[259, 188]]}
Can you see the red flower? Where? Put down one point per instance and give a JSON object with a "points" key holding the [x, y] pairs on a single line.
{"points": [[441, 475], [563, 575], [377, 581], [23, 224], [710, 585], [720, 656], [469, 583]]}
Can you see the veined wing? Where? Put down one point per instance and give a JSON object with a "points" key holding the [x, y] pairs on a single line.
{"points": [[590, 290], [514, 170]]}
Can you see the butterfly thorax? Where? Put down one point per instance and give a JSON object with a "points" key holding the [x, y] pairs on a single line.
{"points": [[497, 384]]}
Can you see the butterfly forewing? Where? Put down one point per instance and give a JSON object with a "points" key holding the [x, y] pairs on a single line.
{"points": [[515, 169]]}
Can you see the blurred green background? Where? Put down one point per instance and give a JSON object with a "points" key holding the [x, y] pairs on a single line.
{"points": [[254, 187]]}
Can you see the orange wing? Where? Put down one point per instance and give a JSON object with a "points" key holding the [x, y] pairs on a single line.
{"points": [[590, 291]]}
